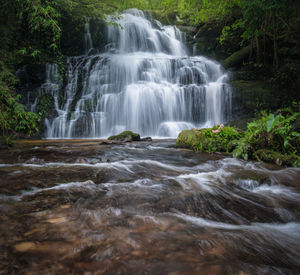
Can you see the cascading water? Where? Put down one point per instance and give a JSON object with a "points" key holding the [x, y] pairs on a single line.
{"points": [[144, 82]]}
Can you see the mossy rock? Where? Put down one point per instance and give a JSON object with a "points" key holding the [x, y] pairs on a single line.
{"points": [[276, 157], [189, 139], [126, 136], [206, 140]]}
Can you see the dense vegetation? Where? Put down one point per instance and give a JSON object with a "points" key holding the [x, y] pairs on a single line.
{"points": [[260, 35], [31, 32], [272, 138]]}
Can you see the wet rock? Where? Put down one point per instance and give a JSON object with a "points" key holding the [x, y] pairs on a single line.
{"points": [[275, 157], [35, 160], [248, 94], [111, 142], [57, 220], [126, 136], [157, 225], [146, 139], [105, 142], [31, 76], [25, 246], [206, 40]]}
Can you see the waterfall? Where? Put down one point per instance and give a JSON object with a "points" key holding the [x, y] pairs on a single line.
{"points": [[145, 82], [88, 43]]}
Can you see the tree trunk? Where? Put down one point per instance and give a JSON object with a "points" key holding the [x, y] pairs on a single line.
{"points": [[257, 50], [238, 57]]}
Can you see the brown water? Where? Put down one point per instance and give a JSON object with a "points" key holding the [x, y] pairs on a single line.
{"points": [[79, 207]]}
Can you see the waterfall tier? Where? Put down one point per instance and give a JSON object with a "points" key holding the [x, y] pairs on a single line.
{"points": [[144, 82]]}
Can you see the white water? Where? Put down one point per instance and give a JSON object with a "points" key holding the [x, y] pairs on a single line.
{"points": [[144, 82]]}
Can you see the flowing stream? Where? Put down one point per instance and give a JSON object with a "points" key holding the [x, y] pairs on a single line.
{"points": [[97, 207], [145, 81], [76, 206]]}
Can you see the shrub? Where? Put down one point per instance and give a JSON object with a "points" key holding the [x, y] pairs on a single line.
{"points": [[277, 132], [15, 121]]}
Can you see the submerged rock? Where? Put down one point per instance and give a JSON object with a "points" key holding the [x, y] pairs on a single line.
{"points": [[146, 139], [126, 136], [25, 246]]}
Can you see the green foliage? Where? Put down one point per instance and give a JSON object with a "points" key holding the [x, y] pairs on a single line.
{"points": [[216, 139], [138, 4], [45, 105], [276, 132], [278, 158], [14, 120], [230, 36], [272, 138], [31, 31]]}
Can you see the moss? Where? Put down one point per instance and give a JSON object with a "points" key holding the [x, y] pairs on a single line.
{"points": [[189, 139], [276, 157], [126, 136], [205, 140]]}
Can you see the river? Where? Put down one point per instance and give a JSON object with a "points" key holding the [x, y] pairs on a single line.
{"points": [[87, 207]]}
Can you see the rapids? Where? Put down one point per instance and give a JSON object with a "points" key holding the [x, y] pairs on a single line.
{"points": [[76, 206], [145, 81]]}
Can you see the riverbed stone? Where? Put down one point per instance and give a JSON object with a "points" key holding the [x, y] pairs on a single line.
{"points": [[146, 139], [25, 246], [126, 136]]}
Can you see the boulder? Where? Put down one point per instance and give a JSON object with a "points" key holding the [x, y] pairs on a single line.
{"points": [[146, 139], [126, 136], [217, 139]]}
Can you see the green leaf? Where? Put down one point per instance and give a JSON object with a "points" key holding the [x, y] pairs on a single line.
{"points": [[286, 142], [270, 122]]}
